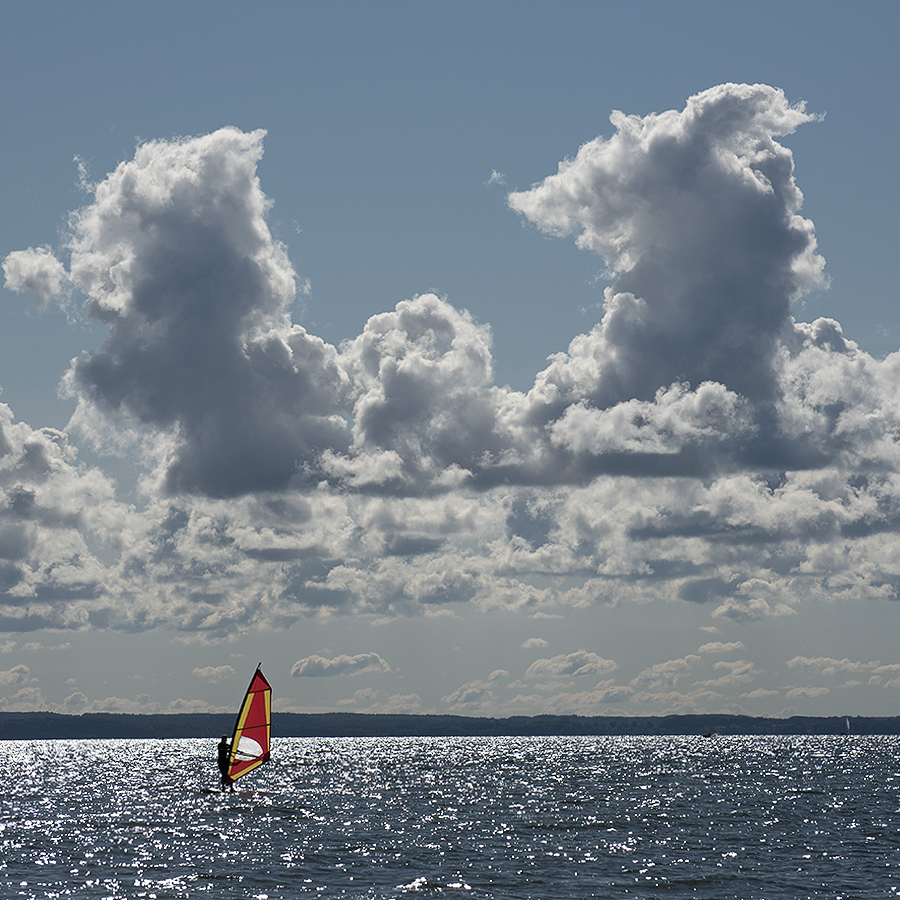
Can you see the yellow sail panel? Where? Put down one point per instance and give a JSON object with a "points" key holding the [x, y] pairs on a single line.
{"points": [[253, 729]]}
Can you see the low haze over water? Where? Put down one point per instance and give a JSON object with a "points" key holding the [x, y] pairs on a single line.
{"points": [[719, 817]]}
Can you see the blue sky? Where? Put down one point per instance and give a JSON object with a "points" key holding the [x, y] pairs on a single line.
{"points": [[259, 455]]}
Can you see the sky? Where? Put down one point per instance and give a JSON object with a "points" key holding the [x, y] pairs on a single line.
{"points": [[487, 359]]}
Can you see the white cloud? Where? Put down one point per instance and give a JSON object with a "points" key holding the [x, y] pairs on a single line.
{"points": [[739, 671], [826, 665], [581, 662], [880, 672], [175, 259], [676, 702], [340, 665], [475, 695], [15, 675], [750, 609], [697, 211], [664, 674], [214, 674], [76, 702], [806, 692], [760, 694], [422, 401], [405, 704], [720, 647], [58, 520], [143, 704], [534, 644], [588, 703], [36, 270], [362, 697], [891, 669], [25, 699]]}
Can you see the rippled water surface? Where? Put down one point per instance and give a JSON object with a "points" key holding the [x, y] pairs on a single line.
{"points": [[539, 818]]}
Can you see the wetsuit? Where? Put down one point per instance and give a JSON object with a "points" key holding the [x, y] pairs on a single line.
{"points": [[224, 752]]}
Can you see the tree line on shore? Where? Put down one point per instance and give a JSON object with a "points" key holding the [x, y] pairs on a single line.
{"points": [[45, 725]]}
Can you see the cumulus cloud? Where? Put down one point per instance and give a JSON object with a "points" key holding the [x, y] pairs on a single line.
{"points": [[404, 704], [362, 697], [534, 644], [751, 608], [76, 702], [697, 213], [739, 671], [720, 647], [423, 409], [665, 674], [760, 694], [806, 692], [36, 270], [26, 699], [58, 520], [174, 256], [697, 368], [214, 674], [339, 665], [587, 703], [475, 695], [15, 675], [581, 662], [826, 665]]}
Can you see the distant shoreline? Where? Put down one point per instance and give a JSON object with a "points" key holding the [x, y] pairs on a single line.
{"points": [[45, 725]]}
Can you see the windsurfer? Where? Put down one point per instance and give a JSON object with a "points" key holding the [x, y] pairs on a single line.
{"points": [[224, 753]]}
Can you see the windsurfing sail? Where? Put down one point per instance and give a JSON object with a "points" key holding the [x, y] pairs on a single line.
{"points": [[252, 729]]}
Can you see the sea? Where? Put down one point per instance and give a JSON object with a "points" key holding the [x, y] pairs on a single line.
{"points": [[500, 817]]}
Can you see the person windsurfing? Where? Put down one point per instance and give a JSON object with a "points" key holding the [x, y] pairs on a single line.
{"points": [[224, 753], [252, 735]]}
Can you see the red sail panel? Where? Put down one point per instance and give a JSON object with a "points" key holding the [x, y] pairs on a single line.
{"points": [[253, 729]]}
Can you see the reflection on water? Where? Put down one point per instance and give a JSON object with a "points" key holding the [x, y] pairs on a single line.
{"points": [[761, 817]]}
